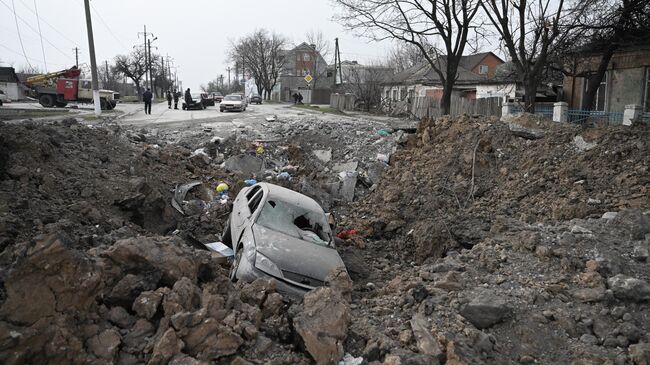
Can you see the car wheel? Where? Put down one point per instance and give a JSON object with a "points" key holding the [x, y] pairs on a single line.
{"points": [[221, 110], [236, 262]]}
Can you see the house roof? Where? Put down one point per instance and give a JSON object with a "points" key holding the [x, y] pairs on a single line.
{"points": [[8, 74], [423, 73]]}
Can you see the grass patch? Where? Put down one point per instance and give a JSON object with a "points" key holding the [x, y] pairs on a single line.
{"points": [[317, 108]]}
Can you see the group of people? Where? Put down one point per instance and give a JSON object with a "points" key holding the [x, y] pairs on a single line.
{"points": [[297, 98], [147, 97]]}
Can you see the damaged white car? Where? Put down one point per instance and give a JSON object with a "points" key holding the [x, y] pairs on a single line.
{"points": [[279, 233]]}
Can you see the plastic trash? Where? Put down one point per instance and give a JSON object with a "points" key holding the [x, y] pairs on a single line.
{"points": [[385, 158], [384, 132], [347, 233], [250, 182], [222, 187], [284, 176], [259, 150]]}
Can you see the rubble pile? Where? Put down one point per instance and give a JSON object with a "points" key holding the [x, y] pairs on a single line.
{"points": [[505, 242]]}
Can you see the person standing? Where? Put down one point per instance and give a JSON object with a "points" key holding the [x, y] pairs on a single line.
{"points": [[188, 99], [147, 96], [177, 94], [169, 99]]}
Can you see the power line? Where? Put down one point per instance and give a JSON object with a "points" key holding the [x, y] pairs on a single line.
{"points": [[32, 28], [38, 21], [48, 24], [33, 59], [18, 30], [107, 27]]}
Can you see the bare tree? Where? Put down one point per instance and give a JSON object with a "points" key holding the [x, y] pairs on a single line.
{"points": [[132, 66], [261, 54], [404, 56], [365, 83], [321, 46], [531, 30], [420, 23]]}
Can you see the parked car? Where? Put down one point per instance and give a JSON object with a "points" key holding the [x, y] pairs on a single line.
{"points": [[256, 99], [217, 97], [279, 233], [233, 102], [3, 98], [196, 104], [208, 100]]}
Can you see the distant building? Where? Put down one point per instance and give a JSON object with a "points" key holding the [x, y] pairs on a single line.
{"points": [[299, 62], [353, 72], [10, 84], [626, 80]]}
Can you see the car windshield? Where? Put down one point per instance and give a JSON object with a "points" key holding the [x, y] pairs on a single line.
{"points": [[299, 222], [196, 96], [233, 98]]}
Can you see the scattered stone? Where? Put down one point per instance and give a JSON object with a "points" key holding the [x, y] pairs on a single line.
{"points": [[247, 165], [628, 288], [609, 215], [323, 325], [640, 252], [485, 310], [582, 145], [146, 305], [640, 353], [426, 343], [527, 133], [105, 345]]}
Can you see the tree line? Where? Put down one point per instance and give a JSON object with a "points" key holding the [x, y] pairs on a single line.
{"points": [[536, 35]]}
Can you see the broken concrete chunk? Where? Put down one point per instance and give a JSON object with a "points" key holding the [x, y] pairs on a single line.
{"points": [[245, 164], [345, 166], [324, 155], [348, 184], [527, 133], [582, 145]]}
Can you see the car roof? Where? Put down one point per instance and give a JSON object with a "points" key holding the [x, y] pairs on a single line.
{"points": [[290, 196]]}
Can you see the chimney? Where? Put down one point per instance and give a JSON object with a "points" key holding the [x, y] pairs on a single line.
{"points": [[313, 46]]}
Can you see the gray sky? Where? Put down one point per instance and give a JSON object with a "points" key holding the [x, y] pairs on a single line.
{"points": [[195, 33]]}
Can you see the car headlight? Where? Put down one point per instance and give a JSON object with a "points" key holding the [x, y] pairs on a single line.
{"points": [[265, 264]]}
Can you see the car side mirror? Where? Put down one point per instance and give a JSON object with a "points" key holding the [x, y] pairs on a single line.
{"points": [[331, 220]]}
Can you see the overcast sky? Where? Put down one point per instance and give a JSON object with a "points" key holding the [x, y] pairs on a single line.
{"points": [[195, 33]]}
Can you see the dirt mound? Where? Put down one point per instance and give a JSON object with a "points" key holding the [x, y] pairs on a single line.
{"points": [[464, 173], [142, 300]]}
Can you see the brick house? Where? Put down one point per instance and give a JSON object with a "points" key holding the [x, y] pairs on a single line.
{"points": [[476, 79], [626, 81], [298, 62]]}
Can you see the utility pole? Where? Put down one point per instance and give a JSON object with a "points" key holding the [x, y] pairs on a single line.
{"points": [[93, 64], [106, 78], [146, 59], [163, 86], [148, 50], [337, 61], [76, 56], [228, 77]]}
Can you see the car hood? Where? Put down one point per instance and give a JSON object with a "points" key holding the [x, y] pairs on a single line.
{"points": [[295, 255], [232, 102]]}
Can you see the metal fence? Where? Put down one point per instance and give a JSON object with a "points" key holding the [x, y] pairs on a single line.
{"points": [[645, 117], [595, 117], [543, 109]]}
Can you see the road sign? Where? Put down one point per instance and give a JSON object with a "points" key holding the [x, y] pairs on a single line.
{"points": [[308, 78]]}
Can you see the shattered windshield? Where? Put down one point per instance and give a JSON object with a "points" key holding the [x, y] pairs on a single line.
{"points": [[295, 221]]}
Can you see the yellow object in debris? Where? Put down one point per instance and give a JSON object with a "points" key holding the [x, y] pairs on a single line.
{"points": [[222, 187], [259, 150]]}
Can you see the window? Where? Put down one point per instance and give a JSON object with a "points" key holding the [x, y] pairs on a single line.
{"points": [[600, 99], [411, 93], [306, 57], [646, 99], [394, 94], [402, 94], [388, 94], [483, 69], [254, 190], [255, 202]]}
